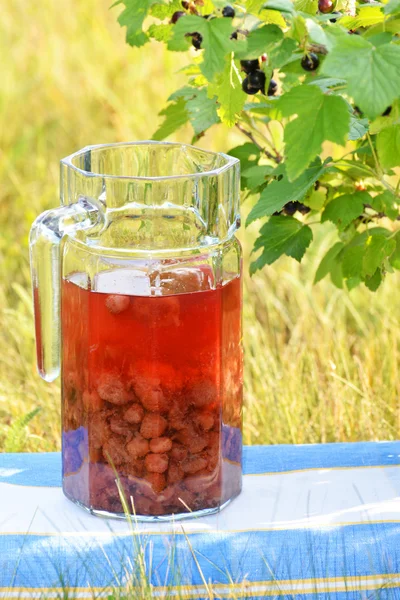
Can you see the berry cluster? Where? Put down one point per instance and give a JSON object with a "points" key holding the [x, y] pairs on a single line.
{"points": [[291, 207], [228, 11], [255, 79]]}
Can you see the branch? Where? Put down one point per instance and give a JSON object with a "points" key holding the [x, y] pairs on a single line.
{"points": [[277, 158]]}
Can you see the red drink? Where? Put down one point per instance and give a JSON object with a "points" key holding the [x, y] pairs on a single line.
{"points": [[152, 393]]}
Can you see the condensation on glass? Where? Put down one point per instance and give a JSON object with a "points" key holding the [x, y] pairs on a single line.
{"points": [[137, 295]]}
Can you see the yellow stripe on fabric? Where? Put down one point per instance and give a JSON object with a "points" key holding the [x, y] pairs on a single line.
{"points": [[246, 589]]}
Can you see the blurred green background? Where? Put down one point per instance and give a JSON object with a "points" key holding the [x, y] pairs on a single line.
{"points": [[321, 364]]}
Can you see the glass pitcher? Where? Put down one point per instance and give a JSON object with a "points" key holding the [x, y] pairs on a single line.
{"points": [[137, 296]]}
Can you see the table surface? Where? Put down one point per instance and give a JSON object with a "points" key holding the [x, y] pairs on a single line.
{"points": [[319, 521]]}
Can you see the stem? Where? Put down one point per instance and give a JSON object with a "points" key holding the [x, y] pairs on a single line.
{"points": [[376, 161], [251, 137]]}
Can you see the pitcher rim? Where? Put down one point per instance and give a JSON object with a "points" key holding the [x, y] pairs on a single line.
{"points": [[231, 161]]}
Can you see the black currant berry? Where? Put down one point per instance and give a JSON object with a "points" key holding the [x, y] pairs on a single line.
{"points": [[290, 208], [197, 38], [246, 87], [387, 112], [257, 80], [310, 62], [326, 6], [303, 209], [228, 11], [272, 88], [234, 35], [176, 16], [334, 19], [248, 66]]}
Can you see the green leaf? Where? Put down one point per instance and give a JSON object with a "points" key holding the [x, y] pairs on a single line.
{"points": [[162, 11], [202, 111], [279, 192], [385, 203], [317, 34], [358, 127], [352, 260], [256, 175], [327, 263], [377, 249], [161, 33], [247, 153], [388, 147], [216, 41], [372, 74], [375, 281], [366, 16], [261, 40], [344, 209], [282, 53], [319, 117], [132, 18], [392, 7], [306, 6], [175, 115], [281, 235], [315, 200], [228, 89], [283, 6], [394, 260]]}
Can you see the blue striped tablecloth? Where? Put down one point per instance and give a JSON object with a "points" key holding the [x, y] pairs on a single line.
{"points": [[317, 521]]}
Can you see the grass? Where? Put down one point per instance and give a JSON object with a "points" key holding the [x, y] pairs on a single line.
{"points": [[321, 364]]}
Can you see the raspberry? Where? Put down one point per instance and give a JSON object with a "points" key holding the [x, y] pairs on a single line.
{"points": [[177, 417], [153, 425], [156, 463], [135, 467], [92, 401], [114, 451], [194, 464], [134, 414], [121, 427], [204, 420], [175, 474], [157, 481], [111, 389], [202, 393], [153, 399], [98, 430], [178, 452], [138, 447], [117, 304], [160, 445], [192, 440]]}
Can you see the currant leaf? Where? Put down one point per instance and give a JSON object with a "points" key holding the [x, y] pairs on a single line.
{"points": [[372, 73], [320, 117], [281, 235]]}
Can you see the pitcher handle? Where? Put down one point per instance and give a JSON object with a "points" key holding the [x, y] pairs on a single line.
{"points": [[45, 239]]}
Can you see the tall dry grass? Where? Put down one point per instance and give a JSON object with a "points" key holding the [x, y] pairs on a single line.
{"points": [[321, 364]]}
